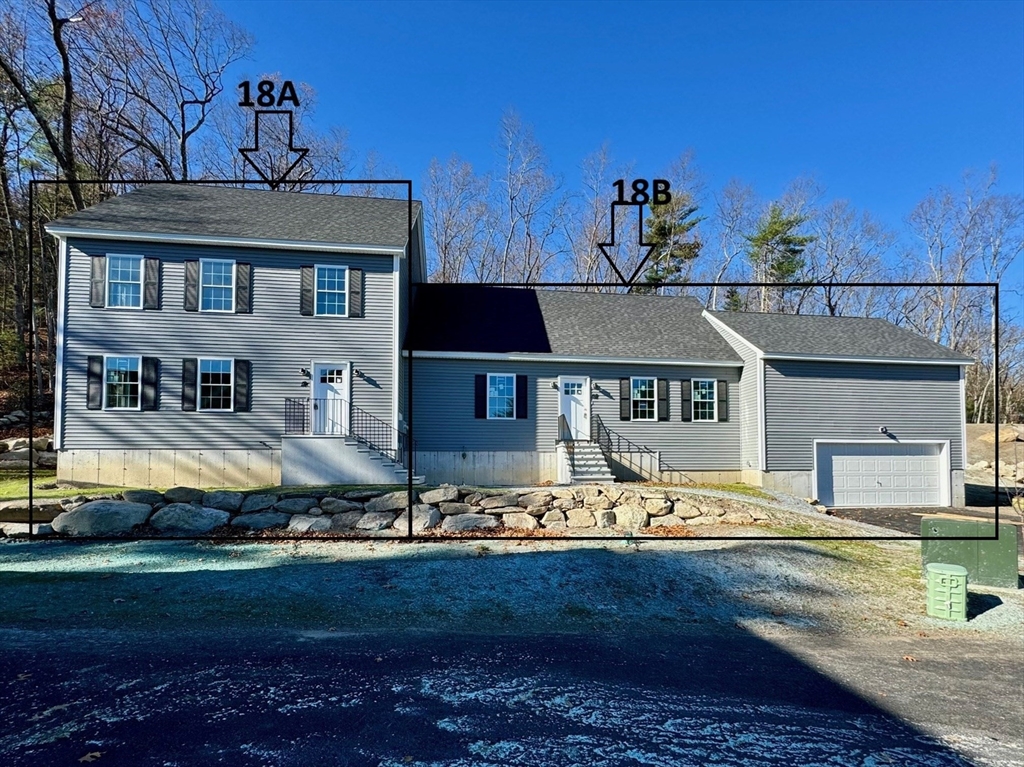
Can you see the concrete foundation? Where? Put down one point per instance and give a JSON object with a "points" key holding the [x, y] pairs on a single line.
{"points": [[487, 468], [170, 468], [313, 460]]}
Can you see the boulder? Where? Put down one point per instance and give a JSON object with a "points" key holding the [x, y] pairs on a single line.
{"points": [[456, 508], [658, 507], [562, 493], [47, 461], [391, 502], [3, 447], [669, 520], [43, 443], [424, 517], [537, 511], [561, 504], [346, 520], [152, 497], [599, 502], [441, 494], [225, 500], [19, 454], [339, 505], [503, 510], [14, 465], [702, 521], [183, 495], [604, 518], [473, 499], [579, 518], [758, 513], [631, 516], [1004, 434], [102, 518], [685, 510], [553, 520], [462, 522], [589, 491], [610, 491], [362, 495], [518, 520], [260, 520], [646, 493], [498, 501], [295, 505], [306, 523], [376, 520], [186, 519], [542, 498], [737, 517], [258, 502], [17, 444]]}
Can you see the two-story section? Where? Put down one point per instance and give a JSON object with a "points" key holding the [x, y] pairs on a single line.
{"points": [[218, 336]]}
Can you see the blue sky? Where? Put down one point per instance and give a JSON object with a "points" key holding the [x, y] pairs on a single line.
{"points": [[878, 101]]}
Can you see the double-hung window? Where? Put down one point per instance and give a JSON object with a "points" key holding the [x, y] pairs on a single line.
{"points": [[216, 285], [124, 282], [643, 399], [501, 396], [705, 400], [216, 384], [332, 290], [121, 383]]}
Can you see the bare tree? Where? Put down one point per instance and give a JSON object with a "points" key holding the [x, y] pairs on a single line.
{"points": [[734, 218], [455, 206]]}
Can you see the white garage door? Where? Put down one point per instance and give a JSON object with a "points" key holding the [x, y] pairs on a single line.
{"points": [[881, 474]]}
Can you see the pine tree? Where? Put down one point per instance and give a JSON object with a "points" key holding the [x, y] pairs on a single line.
{"points": [[776, 250], [670, 228]]}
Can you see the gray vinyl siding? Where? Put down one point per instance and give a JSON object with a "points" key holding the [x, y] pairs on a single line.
{"points": [[443, 399], [748, 400], [805, 401], [275, 338]]}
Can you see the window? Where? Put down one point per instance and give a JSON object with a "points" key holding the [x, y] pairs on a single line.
{"points": [[217, 286], [121, 383], [501, 396], [644, 399], [215, 384], [572, 388], [124, 281], [331, 296], [705, 400]]}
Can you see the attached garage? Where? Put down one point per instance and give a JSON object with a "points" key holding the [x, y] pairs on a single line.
{"points": [[882, 473]]}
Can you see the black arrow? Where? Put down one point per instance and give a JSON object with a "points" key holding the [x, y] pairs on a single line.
{"points": [[640, 241], [298, 152]]}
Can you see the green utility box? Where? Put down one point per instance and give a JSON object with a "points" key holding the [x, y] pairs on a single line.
{"points": [[991, 562], [947, 591]]}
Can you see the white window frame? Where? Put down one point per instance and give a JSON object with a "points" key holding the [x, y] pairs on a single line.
{"points": [[632, 399], [487, 397], [693, 400], [199, 386], [316, 288], [120, 357], [142, 281], [234, 285]]}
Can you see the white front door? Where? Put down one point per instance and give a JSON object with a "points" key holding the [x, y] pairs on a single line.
{"points": [[574, 404], [329, 414]]}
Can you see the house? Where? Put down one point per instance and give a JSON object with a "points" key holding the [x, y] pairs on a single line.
{"points": [[219, 336]]}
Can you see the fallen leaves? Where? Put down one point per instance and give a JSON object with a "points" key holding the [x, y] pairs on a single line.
{"points": [[910, 659]]}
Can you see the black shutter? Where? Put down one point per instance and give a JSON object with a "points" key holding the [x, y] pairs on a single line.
{"points": [[723, 400], [625, 408], [662, 399], [355, 293], [192, 287], [150, 383], [243, 288], [98, 285], [522, 388], [243, 387], [480, 396], [306, 291], [687, 400], [94, 389], [151, 283], [189, 374]]}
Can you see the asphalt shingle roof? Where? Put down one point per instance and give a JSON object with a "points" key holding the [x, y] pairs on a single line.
{"points": [[251, 214], [475, 318], [816, 335]]}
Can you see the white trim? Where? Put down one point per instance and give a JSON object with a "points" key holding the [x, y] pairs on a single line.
{"points": [[396, 356], [714, 399], [119, 357], [587, 398], [945, 473], [643, 378], [316, 288], [199, 385], [58, 384], [762, 416], [487, 397], [348, 392], [234, 286], [237, 242], [963, 418], [530, 357], [142, 281]]}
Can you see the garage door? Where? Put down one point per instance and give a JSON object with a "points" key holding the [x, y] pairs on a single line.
{"points": [[881, 474]]}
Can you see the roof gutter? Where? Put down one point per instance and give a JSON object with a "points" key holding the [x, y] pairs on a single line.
{"points": [[543, 357]]}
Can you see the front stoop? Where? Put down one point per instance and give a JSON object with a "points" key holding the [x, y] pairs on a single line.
{"points": [[588, 465]]}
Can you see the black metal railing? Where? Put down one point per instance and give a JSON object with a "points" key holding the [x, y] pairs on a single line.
{"points": [[337, 417], [612, 442], [565, 438]]}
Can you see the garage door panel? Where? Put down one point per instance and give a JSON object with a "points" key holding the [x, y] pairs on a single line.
{"points": [[880, 474]]}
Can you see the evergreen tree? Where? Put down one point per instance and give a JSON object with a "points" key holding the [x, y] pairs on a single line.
{"points": [[670, 228], [776, 250], [733, 300]]}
